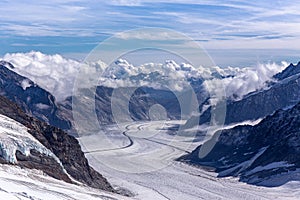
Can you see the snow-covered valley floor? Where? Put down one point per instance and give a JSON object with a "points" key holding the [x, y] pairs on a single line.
{"points": [[140, 157]]}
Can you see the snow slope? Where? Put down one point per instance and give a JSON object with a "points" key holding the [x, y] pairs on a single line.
{"points": [[17, 183]]}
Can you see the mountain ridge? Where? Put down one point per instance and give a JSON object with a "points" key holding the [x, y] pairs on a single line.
{"points": [[256, 153], [278, 95], [64, 146], [33, 99]]}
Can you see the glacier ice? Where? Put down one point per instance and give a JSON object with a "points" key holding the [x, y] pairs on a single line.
{"points": [[14, 136]]}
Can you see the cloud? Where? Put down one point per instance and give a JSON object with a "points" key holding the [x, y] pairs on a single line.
{"points": [[40, 12], [186, 16], [239, 20], [208, 21], [246, 80], [126, 2], [151, 34], [57, 74], [52, 72]]}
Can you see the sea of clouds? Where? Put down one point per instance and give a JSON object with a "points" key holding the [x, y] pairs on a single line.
{"points": [[57, 74]]}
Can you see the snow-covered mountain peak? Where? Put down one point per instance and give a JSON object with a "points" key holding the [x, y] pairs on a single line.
{"points": [[289, 71]]}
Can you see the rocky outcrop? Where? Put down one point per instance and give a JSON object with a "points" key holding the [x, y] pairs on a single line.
{"points": [[64, 146], [256, 153], [36, 160], [291, 70]]}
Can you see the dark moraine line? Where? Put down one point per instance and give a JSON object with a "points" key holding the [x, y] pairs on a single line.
{"points": [[119, 148]]}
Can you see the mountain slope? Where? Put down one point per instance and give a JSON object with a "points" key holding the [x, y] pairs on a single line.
{"points": [[256, 153], [17, 146], [65, 147], [30, 97]]}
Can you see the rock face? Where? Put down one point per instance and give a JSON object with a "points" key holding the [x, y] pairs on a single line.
{"points": [[32, 99], [64, 146], [257, 153], [288, 72], [138, 104], [36, 160]]}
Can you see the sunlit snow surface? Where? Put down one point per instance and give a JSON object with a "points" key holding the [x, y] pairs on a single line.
{"points": [[17, 183], [173, 181]]}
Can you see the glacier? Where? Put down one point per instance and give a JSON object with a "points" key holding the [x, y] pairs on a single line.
{"points": [[151, 147]]}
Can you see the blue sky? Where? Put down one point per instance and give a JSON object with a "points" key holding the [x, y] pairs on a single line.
{"points": [[234, 32]]}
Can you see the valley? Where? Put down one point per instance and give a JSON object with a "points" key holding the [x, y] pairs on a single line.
{"points": [[143, 162]]}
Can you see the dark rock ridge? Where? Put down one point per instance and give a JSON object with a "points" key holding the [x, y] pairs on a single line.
{"points": [[288, 72], [31, 98], [64, 146], [257, 153], [280, 94], [42, 162]]}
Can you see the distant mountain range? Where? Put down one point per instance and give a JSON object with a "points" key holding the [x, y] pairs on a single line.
{"points": [[283, 92], [38, 102]]}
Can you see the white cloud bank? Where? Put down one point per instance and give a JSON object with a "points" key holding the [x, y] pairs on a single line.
{"points": [[245, 81], [57, 74], [51, 72]]}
